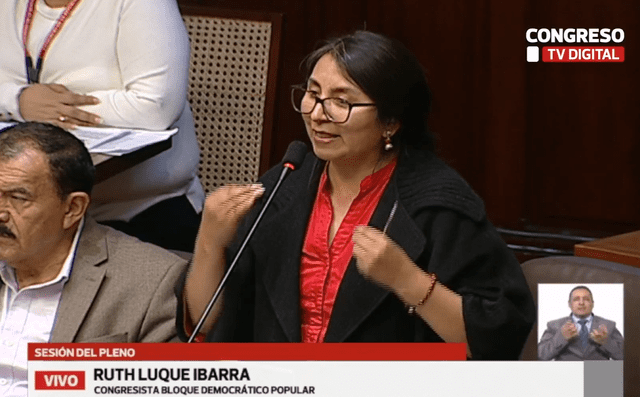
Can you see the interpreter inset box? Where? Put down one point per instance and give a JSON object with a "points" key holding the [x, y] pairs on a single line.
{"points": [[563, 311]]}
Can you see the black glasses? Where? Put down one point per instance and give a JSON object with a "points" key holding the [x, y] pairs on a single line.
{"points": [[337, 110]]}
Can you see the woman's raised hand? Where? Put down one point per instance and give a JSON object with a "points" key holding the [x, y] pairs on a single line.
{"points": [[223, 210], [381, 260], [55, 104]]}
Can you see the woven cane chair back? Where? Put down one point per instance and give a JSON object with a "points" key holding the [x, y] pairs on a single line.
{"points": [[232, 77]]}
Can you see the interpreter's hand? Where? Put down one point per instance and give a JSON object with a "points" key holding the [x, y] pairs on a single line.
{"points": [[55, 104], [380, 259], [569, 330], [223, 210], [600, 335]]}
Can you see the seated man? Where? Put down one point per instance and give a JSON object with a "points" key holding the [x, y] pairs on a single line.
{"points": [[581, 336], [63, 277]]}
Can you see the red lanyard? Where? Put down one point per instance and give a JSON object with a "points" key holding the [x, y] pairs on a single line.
{"points": [[33, 74]]}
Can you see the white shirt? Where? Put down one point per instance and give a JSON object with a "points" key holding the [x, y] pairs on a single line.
{"points": [[133, 55], [27, 315], [43, 22]]}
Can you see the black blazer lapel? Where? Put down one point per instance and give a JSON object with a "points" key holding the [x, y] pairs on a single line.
{"points": [[281, 269], [279, 250], [357, 297]]}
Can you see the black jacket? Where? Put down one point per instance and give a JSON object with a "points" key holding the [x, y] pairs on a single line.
{"points": [[440, 223]]}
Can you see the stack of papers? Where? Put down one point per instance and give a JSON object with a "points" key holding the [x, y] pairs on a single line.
{"points": [[115, 141], [119, 141]]}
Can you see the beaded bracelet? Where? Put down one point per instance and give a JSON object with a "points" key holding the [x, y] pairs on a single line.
{"points": [[412, 308]]}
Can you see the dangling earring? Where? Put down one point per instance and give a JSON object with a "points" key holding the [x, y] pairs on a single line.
{"points": [[387, 141]]}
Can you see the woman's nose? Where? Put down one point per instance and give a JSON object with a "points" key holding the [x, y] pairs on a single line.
{"points": [[317, 113]]}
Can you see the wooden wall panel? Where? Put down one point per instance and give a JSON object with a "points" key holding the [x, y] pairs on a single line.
{"points": [[450, 38], [504, 145], [582, 127]]}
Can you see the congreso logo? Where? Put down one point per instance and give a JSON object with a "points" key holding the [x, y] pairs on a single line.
{"points": [[584, 45]]}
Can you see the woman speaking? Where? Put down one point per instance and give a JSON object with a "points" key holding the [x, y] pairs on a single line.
{"points": [[373, 239]]}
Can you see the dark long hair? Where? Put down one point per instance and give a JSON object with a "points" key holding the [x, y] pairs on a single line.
{"points": [[390, 75]]}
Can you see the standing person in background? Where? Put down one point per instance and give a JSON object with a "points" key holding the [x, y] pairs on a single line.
{"points": [[120, 63], [373, 238]]}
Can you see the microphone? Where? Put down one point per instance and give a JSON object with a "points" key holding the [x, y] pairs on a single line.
{"points": [[292, 159]]}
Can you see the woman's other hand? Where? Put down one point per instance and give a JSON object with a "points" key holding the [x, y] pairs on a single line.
{"points": [[380, 259], [223, 210], [55, 104]]}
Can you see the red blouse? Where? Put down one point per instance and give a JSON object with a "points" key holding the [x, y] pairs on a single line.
{"points": [[322, 266]]}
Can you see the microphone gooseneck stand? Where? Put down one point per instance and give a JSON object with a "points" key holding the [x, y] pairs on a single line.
{"points": [[292, 160]]}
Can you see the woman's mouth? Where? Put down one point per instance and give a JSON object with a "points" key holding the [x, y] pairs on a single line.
{"points": [[324, 137]]}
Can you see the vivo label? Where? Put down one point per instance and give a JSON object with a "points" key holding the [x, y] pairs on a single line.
{"points": [[59, 380]]}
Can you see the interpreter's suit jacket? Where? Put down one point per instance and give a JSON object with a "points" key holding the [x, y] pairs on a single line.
{"points": [[440, 223], [120, 290], [553, 346]]}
